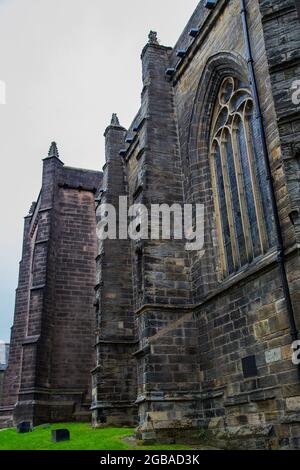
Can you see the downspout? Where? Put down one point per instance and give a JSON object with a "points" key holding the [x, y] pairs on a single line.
{"points": [[280, 245]]}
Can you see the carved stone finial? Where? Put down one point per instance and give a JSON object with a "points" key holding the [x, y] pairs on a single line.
{"points": [[115, 120], [153, 38], [53, 152], [32, 208]]}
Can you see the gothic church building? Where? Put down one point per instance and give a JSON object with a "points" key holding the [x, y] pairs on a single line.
{"points": [[145, 333]]}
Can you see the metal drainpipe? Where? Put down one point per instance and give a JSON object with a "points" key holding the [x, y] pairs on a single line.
{"points": [[280, 247]]}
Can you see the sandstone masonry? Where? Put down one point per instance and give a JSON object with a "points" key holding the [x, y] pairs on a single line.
{"points": [[174, 346]]}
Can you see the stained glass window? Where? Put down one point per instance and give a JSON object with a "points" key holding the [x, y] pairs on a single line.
{"points": [[243, 208]]}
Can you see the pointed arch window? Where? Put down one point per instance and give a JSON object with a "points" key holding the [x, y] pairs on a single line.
{"points": [[242, 201]]}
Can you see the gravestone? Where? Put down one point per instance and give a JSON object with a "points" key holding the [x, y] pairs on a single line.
{"points": [[24, 427], [60, 435]]}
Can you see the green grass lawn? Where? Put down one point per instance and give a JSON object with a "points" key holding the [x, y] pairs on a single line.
{"points": [[83, 437]]}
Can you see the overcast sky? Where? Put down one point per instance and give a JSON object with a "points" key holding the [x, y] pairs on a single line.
{"points": [[67, 65]]}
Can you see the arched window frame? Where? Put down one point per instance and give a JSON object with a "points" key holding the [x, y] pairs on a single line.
{"points": [[234, 107]]}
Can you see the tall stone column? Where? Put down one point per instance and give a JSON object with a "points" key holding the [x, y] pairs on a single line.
{"points": [[37, 338], [166, 357], [48, 377], [114, 378]]}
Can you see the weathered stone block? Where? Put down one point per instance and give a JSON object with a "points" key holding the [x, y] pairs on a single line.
{"points": [[262, 329], [293, 403], [273, 355]]}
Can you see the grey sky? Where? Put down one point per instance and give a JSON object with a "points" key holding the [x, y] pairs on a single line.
{"points": [[67, 64]]}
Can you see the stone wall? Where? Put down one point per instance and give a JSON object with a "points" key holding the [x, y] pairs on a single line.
{"points": [[114, 377], [214, 354], [180, 350], [51, 355]]}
